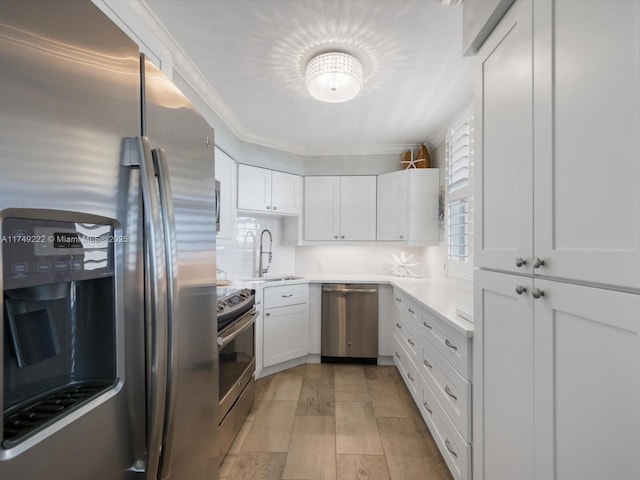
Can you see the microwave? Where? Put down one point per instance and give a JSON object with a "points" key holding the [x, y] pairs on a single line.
{"points": [[217, 206]]}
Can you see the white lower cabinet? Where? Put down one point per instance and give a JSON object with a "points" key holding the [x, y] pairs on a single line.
{"points": [[434, 361], [560, 390], [285, 323]]}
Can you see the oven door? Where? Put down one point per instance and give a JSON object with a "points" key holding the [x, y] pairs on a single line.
{"points": [[236, 347]]}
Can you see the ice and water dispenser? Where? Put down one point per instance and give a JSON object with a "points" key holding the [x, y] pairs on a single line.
{"points": [[59, 327]]}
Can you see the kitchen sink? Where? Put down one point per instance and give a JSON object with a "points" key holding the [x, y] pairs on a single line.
{"points": [[271, 279]]}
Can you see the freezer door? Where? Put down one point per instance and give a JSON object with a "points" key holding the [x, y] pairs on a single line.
{"points": [[184, 143], [69, 94]]}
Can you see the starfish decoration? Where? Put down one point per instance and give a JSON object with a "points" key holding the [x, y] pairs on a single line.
{"points": [[409, 160], [401, 267]]}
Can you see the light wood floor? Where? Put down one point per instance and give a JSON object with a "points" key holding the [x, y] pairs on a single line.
{"points": [[334, 422]]}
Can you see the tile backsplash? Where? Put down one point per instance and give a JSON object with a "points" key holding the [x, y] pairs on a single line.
{"points": [[238, 256]]}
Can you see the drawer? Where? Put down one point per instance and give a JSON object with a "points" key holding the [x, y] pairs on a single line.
{"points": [[406, 367], [455, 451], [409, 310], [284, 295], [453, 346], [412, 342], [452, 389]]}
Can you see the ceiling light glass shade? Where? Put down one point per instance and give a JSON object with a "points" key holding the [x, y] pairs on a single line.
{"points": [[334, 77]]}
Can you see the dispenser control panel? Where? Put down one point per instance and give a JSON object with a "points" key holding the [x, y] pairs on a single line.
{"points": [[37, 252]]}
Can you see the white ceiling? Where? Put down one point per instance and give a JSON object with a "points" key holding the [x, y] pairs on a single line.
{"points": [[253, 55]]}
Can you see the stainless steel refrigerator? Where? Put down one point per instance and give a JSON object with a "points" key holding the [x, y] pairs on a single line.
{"points": [[107, 217]]}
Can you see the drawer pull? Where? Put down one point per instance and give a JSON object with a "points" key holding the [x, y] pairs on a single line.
{"points": [[427, 325], [411, 311], [449, 344], [286, 295], [410, 342], [427, 363], [410, 377], [398, 325], [397, 356], [426, 407], [448, 392], [451, 450]]}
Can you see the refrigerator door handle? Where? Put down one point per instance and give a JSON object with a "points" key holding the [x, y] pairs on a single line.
{"points": [[157, 309], [171, 247]]}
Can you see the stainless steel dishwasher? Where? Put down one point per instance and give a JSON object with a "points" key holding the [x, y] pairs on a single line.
{"points": [[349, 323]]}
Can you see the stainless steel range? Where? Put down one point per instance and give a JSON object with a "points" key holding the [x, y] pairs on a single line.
{"points": [[236, 350]]}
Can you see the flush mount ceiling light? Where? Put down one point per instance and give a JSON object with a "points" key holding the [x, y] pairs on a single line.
{"points": [[334, 77]]}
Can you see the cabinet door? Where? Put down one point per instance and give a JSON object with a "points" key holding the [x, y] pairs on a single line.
{"points": [[286, 193], [504, 144], [322, 208], [392, 206], [358, 208], [254, 188], [587, 160], [587, 385], [285, 334], [503, 378], [226, 175]]}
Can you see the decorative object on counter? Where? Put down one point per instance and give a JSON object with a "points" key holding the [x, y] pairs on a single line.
{"points": [[334, 77], [400, 266], [221, 278], [423, 159]]}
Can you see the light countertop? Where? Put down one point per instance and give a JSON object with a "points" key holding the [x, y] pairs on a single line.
{"points": [[443, 297]]}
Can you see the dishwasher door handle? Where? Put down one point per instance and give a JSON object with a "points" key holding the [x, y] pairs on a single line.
{"points": [[350, 290]]}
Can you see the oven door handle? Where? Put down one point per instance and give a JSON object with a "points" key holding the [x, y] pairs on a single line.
{"points": [[241, 325]]}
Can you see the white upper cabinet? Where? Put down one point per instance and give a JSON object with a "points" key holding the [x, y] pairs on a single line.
{"points": [[504, 145], [322, 208], [268, 191], [226, 175], [286, 193], [358, 208], [572, 176], [408, 206], [340, 208], [587, 154]]}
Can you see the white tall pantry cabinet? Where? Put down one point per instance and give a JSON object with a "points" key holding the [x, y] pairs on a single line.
{"points": [[557, 295]]}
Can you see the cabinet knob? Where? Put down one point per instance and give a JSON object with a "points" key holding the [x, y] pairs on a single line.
{"points": [[538, 262], [401, 237], [335, 236], [520, 289], [267, 314], [268, 207], [537, 293], [341, 236], [275, 208], [520, 262]]}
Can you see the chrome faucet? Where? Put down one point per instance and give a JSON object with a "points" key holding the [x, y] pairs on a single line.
{"points": [[261, 270]]}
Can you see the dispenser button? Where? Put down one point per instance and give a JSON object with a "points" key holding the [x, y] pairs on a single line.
{"points": [[20, 268], [44, 267], [62, 266]]}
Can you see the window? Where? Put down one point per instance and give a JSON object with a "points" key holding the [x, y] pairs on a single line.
{"points": [[459, 194]]}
